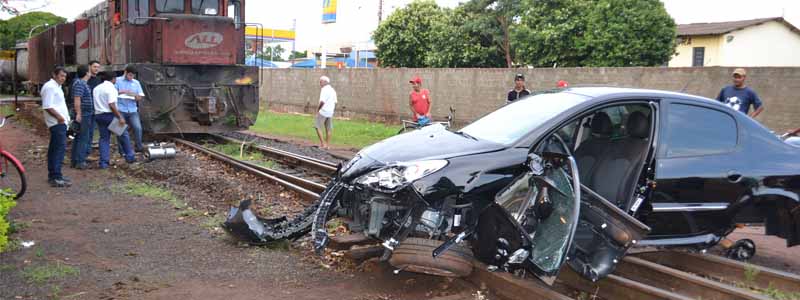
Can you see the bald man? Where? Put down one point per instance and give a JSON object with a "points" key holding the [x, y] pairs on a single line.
{"points": [[324, 119]]}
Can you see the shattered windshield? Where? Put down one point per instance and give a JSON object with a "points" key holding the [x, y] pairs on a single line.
{"points": [[511, 122]]}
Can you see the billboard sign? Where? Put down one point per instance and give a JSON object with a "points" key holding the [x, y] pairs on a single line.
{"points": [[328, 11]]}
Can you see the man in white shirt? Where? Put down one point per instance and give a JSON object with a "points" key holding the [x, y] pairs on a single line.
{"points": [[105, 98], [324, 118], [56, 116]]}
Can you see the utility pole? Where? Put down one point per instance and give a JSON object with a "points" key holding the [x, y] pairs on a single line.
{"points": [[380, 11]]}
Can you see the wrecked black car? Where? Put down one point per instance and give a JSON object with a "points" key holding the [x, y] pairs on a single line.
{"points": [[578, 176]]}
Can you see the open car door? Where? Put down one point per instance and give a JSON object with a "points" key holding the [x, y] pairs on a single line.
{"points": [[533, 220], [545, 217]]}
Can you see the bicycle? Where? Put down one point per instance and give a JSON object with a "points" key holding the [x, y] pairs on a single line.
{"points": [[409, 125], [12, 180]]}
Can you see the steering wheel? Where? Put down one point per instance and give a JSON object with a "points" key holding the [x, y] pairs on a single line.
{"points": [[562, 143]]}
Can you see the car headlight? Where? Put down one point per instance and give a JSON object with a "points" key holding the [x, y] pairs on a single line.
{"points": [[399, 174]]}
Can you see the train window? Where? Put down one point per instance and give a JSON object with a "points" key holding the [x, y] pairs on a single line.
{"points": [[169, 6], [205, 7], [138, 11]]}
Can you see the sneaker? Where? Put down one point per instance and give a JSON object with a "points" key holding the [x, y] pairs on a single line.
{"points": [[130, 162], [66, 179], [82, 166], [58, 183]]}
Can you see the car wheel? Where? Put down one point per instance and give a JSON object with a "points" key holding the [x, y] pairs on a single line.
{"points": [[742, 250], [414, 255]]}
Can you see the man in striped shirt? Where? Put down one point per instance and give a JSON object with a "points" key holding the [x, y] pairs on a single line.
{"points": [[84, 115]]}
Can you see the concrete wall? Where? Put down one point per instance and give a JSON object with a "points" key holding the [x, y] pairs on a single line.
{"points": [[684, 51], [770, 44], [382, 94]]}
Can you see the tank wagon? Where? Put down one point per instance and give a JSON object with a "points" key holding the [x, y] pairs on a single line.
{"points": [[189, 55]]}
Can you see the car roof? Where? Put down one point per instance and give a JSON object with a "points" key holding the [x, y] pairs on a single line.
{"points": [[600, 93]]}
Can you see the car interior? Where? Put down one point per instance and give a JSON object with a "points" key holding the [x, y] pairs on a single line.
{"points": [[610, 146]]}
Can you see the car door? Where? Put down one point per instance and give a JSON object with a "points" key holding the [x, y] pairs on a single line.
{"points": [[698, 172], [549, 214]]}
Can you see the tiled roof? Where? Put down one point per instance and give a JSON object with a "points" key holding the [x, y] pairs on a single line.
{"points": [[725, 27]]}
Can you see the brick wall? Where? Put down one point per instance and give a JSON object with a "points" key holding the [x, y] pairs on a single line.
{"points": [[382, 94]]}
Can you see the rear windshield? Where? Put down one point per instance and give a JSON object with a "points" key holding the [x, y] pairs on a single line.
{"points": [[205, 7], [512, 122], [169, 6]]}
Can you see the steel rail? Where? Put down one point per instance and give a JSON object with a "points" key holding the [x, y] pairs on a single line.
{"points": [[304, 188], [684, 283], [726, 269], [615, 287], [309, 162]]}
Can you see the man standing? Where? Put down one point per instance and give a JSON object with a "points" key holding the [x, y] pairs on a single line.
{"points": [[94, 80], [105, 109], [130, 93], [324, 118], [56, 116], [419, 102], [84, 115], [739, 96], [519, 90]]}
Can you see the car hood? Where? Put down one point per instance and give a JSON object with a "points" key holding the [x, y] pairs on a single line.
{"points": [[431, 142]]}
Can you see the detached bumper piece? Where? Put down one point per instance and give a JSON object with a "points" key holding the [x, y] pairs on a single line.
{"points": [[243, 224]]}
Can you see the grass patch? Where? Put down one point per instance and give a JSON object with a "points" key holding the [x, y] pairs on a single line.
{"points": [[150, 191], [350, 133], [780, 295], [190, 213], [235, 150], [17, 226], [43, 274], [213, 222]]}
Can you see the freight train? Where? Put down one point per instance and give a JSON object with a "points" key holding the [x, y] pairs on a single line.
{"points": [[189, 55]]}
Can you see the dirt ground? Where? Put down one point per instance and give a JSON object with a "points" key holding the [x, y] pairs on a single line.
{"points": [[132, 247]]}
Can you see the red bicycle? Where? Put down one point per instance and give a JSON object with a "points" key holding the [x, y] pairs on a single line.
{"points": [[12, 173]]}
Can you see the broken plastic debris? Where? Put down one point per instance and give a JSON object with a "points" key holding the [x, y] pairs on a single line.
{"points": [[106, 230], [28, 244]]}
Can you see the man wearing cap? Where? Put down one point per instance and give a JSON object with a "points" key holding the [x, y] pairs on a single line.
{"points": [[519, 91], [419, 101], [324, 119], [741, 97]]}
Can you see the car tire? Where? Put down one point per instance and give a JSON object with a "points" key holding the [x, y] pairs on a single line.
{"points": [[415, 255]]}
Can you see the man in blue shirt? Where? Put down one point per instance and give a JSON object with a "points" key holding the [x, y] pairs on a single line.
{"points": [[84, 115], [740, 97], [130, 93]]}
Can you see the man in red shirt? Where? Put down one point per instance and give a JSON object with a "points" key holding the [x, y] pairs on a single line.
{"points": [[419, 101]]}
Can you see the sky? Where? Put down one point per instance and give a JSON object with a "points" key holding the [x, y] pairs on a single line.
{"points": [[356, 15]]}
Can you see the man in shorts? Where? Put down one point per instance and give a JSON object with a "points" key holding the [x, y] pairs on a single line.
{"points": [[324, 118]]}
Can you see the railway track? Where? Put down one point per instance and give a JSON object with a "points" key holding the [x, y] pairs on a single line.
{"points": [[649, 275]]}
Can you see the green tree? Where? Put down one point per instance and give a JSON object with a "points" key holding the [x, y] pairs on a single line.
{"points": [[297, 54], [17, 28], [460, 39], [552, 32], [496, 18], [405, 38], [601, 33], [273, 53], [630, 33]]}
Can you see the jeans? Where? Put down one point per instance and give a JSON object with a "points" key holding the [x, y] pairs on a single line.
{"points": [[133, 121], [103, 120], [56, 151], [83, 143]]}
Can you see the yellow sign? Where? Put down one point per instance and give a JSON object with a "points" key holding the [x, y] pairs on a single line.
{"points": [[7, 54], [252, 32], [328, 11]]}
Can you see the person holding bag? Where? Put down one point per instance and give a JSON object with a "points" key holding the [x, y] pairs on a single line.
{"points": [[105, 108]]}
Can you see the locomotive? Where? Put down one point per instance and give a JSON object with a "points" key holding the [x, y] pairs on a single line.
{"points": [[189, 54]]}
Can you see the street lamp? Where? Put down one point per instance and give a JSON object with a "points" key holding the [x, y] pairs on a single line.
{"points": [[34, 28]]}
